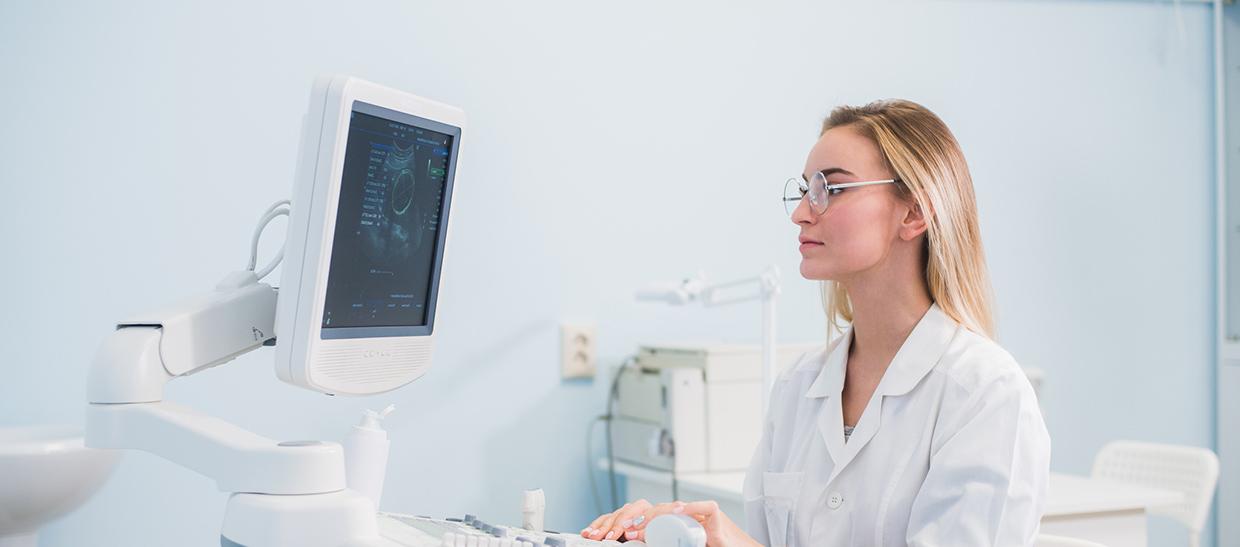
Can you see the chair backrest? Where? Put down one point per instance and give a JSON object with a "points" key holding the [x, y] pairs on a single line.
{"points": [[1047, 540], [1189, 470]]}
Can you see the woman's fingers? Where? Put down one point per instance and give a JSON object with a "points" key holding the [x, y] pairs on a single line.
{"points": [[636, 531], [594, 525], [605, 527], [631, 520], [700, 511], [612, 525], [597, 523], [703, 509], [720, 530], [626, 518], [658, 510]]}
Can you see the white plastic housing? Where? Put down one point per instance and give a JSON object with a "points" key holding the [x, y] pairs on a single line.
{"points": [[133, 364], [238, 460], [46, 472], [337, 519], [347, 366], [214, 327]]}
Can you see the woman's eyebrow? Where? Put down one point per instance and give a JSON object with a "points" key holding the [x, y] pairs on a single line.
{"points": [[831, 171]]}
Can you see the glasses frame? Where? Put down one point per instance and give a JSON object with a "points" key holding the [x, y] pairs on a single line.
{"points": [[805, 189]]}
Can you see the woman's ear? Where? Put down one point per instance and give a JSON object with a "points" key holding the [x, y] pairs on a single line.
{"points": [[914, 223]]}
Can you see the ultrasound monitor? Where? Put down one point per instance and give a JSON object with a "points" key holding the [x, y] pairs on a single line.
{"points": [[366, 239]]}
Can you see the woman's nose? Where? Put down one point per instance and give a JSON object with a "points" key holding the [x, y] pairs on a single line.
{"points": [[803, 214]]}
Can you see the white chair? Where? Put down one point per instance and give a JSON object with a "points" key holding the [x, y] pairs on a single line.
{"points": [[1186, 469], [1047, 540]]}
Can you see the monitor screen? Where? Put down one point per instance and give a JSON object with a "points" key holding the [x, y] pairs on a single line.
{"points": [[385, 260]]}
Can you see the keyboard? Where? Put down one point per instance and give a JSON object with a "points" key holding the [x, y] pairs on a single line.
{"points": [[469, 531]]}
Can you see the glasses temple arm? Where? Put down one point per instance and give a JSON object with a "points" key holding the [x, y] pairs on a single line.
{"points": [[856, 184]]}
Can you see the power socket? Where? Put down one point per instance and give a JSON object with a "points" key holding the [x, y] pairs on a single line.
{"points": [[577, 357]]}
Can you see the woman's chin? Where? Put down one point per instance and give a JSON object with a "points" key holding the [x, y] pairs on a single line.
{"points": [[816, 272]]}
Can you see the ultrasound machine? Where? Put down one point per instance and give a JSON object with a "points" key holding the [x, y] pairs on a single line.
{"points": [[354, 315]]}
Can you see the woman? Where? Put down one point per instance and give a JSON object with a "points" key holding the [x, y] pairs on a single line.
{"points": [[913, 427]]}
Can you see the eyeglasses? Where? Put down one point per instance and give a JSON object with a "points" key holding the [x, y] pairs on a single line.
{"points": [[818, 190]]}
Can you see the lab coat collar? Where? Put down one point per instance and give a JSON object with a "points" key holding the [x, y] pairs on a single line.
{"points": [[920, 352], [916, 357], [830, 381]]}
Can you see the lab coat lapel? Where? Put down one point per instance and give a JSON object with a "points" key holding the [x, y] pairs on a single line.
{"points": [[829, 385], [831, 429], [871, 418]]}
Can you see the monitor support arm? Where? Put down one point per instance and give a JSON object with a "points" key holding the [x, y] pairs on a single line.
{"points": [[284, 493]]}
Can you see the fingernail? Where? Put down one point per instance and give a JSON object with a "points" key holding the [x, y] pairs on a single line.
{"points": [[586, 531], [596, 533], [639, 520], [630, 534], [626, 524], [678, 509], [611, 534]]}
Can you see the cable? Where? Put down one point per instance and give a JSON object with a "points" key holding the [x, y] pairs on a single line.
{"points": [[613, 395], [675, 481], [598, 503], [277, 209]]}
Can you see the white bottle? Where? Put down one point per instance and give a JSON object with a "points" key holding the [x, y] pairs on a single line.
{"points": [[366, 455], [533, 509]]}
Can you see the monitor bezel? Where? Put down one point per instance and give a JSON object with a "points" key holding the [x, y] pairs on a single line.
{"points": [[368, 364]]}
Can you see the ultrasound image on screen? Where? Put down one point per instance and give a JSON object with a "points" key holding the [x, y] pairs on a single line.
{"points": [[386, 246]]}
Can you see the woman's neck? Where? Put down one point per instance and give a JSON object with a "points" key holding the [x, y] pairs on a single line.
{"points": [[884, 312]]}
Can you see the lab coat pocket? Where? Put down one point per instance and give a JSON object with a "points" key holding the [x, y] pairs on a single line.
{"points": [[779, 499], [835, 527]]}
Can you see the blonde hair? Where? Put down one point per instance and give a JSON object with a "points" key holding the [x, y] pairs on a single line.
{"points": [[919, 149]]}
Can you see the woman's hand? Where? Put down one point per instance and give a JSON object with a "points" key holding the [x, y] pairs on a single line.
{"points": [[613, 525], [631, 520]]}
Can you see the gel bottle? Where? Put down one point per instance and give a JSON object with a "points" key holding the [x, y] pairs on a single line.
{"points": [[366, 455]]}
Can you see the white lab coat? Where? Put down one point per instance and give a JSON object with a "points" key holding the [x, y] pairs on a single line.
{"points": [[950, 450]]}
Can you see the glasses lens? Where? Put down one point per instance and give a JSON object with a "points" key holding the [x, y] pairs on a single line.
{"points": [[818, 193], [794, 191]]}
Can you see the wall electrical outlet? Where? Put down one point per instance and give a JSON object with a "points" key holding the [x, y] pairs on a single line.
{"points": [[577, 358]]}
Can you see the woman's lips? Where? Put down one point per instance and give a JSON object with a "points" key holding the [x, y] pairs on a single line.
{"points": [[807, 243]]}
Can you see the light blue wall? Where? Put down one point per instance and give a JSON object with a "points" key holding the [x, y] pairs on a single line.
{"points": [[610, 145]]}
